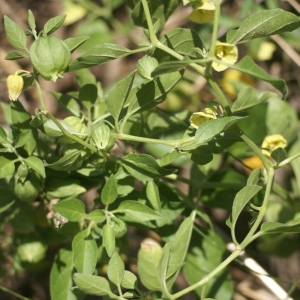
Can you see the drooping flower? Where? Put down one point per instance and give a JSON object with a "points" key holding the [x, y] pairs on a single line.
{"points": [[225, 52], [204, 115], [203, 12], [272, 142], [15, 85]]}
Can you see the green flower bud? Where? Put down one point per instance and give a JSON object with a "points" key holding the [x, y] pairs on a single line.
{"points": [[15, 85], [77, 128], [50, 56], [146, 65], [149, 257], [101, 135], [22, 172]]}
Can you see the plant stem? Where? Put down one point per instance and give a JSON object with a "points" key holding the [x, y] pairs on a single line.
{"points": [[288, 160], [13, 293], [215, 29], [209, 276], [262, 211]]}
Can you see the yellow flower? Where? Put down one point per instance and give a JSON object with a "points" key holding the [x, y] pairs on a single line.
{"points": [[225, 52], [272, 142], [204, 12], [15, 85], [198, 118]]}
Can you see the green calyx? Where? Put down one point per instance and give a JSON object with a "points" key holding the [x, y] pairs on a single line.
{"points": [[50, 57]]}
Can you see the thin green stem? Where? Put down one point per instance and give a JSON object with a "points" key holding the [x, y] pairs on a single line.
{"points": [[288, 160], [209, 276], [13, 293], [263, 209], [267, 164], [215, 29]]}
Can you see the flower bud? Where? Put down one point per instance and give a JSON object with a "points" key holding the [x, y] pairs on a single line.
{"points": [[50, 57], [22, 172], [15, 85], [100, 135], [272, 142], [198, 118]]}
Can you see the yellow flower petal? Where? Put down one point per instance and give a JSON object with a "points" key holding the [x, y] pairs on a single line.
{"points": [[198, 118], [272, 142], [225, 52], [204, 12], [15, 85]]}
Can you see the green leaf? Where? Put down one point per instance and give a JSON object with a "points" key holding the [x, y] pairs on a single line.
{"points": [[240, 201], [254, 177], [97, 55], [53, 24], [265, 23], [276, 227], [110, 191], [74, 43], [153, 92], [180, 246], [84, 252], [88, 95], [71, 209], [96, 215], [15, 34], [279, 155], [138, 211], [152, 193], [7, 198], [169, 158], [68, 102], [249, 67], [3, 136], [209, 129], [36, 164], [14, 55], [69, 162], [22, 138], [129, 281], [61, 277], [7, 167], [109, 241], [247, 98], [118, 95], [31, 20], [143, 167], [183, 41], [116, 268], [92, 285], [163, 266]]}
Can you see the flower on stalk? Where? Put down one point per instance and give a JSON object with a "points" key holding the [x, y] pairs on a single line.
{"points": [[203, 12], [272, 142], [225, 52], [204, 115], [15, 85]]}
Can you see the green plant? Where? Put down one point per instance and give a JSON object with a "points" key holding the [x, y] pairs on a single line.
{"points": [[44, 159]]}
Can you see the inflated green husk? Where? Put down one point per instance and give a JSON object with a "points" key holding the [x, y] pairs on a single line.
{"points": [[50, 56]]}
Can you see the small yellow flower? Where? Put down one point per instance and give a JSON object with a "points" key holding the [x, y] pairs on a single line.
{"points": [[272, 142], [15, 85], [198, 118], [225, 52], [204, 12]]}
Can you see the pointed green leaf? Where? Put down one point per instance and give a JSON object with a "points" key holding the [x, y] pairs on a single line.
{"points": [[152, 193], [110, 191], [153, 92], [74, 43], [255, 176], [68, 102], [68, 162], [116, 268], [92, 285], [88, 95], [265, 23], [61, 277], [84, 252], [163, 266], [109, 241], [7, 167], [143, 167], [3, 135], [118, 95], [31, 20], [279, 155], [96, 215], [15, 34], [36, 164], [169, 158], [276, 227], [129, 281], [71, 209], [22, 138], [249, 67], [98, 55], [54, 23], [14, 55]]}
